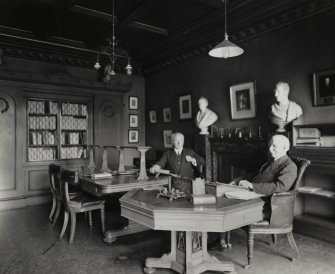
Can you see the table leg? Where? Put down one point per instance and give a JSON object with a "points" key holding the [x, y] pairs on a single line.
{"points": [[110, 236], [188, 255]]}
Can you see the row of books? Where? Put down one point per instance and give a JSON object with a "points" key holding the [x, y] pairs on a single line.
{"points": [[73, 152], [74, 109], [42, 122], [317, 191], [42, 138], [42, 107], [73, 138], [41, 154], [70, 122], [312, 137]]}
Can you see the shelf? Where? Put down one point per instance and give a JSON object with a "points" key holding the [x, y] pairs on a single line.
{"points": [[38, 130], [74, 145], [43, 145], [317, 194], [40, 115], [75, 116], [74, 130]]}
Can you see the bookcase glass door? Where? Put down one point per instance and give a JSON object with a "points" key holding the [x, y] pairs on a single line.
{"points": [[73, 127], [56, 130]]}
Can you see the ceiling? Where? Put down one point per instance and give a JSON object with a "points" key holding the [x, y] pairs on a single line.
{"points": [[157, 34]]}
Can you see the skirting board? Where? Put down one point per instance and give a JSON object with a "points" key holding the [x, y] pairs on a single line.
{"points": [[19, 202]]}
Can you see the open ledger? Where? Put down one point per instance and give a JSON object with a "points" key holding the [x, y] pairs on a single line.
{"points": [[238, 192]]}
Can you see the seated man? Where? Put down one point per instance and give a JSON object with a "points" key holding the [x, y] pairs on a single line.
{"points": [[179, 160], [276, 175]]}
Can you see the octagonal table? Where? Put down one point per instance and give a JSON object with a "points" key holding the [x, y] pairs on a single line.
{"points": [[189, 226]]}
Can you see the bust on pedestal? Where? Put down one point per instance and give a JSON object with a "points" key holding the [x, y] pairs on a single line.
{"points": [[205, 117], [283, 111]]}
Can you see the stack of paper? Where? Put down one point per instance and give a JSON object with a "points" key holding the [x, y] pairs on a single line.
{"points": [[102, 175], [242, 195]]}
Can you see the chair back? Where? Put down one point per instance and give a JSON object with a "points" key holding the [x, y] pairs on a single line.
{"points": [[302, 164], [67, 177], [54, 179], [282, 204]]}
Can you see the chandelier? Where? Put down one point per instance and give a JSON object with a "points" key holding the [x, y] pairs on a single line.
{"points": [[113, 53]]}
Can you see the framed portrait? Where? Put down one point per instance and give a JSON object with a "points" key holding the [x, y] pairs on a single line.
{"points": [[132, 136], [167, 138], [152, 116], [324, 88], [185, 107], [133, 120], [167, 115], [243, 101], [133, 102]]}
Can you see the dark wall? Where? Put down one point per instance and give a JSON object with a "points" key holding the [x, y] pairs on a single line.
{"points": [[291, 54]]}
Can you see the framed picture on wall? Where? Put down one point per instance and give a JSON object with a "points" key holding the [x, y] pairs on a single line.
{"points": [[132, 136], [152, 116], [133, 102], [133, 120], [167, 138], [167, 115], [324, 88], [185, 107], [243, 101]]}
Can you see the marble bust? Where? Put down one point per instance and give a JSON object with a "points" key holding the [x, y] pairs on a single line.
{"points": [[205, 117], [283, 111]]}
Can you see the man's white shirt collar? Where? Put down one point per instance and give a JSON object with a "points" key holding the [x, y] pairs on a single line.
{"points": [[178, 151]]}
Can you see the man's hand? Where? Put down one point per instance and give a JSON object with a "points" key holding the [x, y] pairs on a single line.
{"points": [[191, 159], [155, 168], [246, 184]]}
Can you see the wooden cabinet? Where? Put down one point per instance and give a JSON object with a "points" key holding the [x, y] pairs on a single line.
{"points": [[315, 207]]}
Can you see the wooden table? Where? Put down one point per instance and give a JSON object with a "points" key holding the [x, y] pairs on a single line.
{"points": [[189, 226], [117, 184]]}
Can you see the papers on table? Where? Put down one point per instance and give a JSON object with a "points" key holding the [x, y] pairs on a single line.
{"points": [[238, 192], [103, 175]]}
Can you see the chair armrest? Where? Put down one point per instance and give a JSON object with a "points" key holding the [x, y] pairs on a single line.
{"points": [[282, 209]]}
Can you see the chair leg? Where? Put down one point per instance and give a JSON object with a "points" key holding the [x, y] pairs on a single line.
{"points": [[274, 238], [228, 243], [102, 217], [59, 205], [90, 223], [66, 219], [73, 227], [53, 208], [250, 248], [293, 246]]}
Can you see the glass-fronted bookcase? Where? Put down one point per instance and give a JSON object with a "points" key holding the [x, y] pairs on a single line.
{"points": [[57, 129]]}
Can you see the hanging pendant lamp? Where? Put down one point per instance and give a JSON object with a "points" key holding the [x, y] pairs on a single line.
{"points": [[226, 49]]}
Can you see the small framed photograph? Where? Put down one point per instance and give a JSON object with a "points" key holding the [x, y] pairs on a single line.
{"points": [[167, 138], [133, 102], [324, 88], [133, 120], [132, 136], [167, 115], [243, 101], [185, 107], [152, 117]]}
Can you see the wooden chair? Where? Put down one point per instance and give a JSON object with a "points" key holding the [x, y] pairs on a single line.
{"points": [[80, 203], [54, 179], [282, 214]]}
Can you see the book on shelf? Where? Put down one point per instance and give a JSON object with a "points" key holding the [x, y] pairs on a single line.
{"points": [[328, 141], [325, 193], [309, 132], [308, 189]]}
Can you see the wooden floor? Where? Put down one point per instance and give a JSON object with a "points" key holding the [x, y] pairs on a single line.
{"points": [[27, 238]]}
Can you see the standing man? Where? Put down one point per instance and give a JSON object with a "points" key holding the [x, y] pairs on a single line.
{"points": [[179, 160]]}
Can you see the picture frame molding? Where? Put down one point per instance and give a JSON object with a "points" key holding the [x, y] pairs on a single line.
{"points": [[152, 116], [320, 86], [167, 138], [135, 125], [132, 99], [183, 98], [130, 137], [243, 109], [167, 118]]}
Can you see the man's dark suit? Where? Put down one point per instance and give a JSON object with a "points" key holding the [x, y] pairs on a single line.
{"points": [[177, 164], [274, 176]]}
